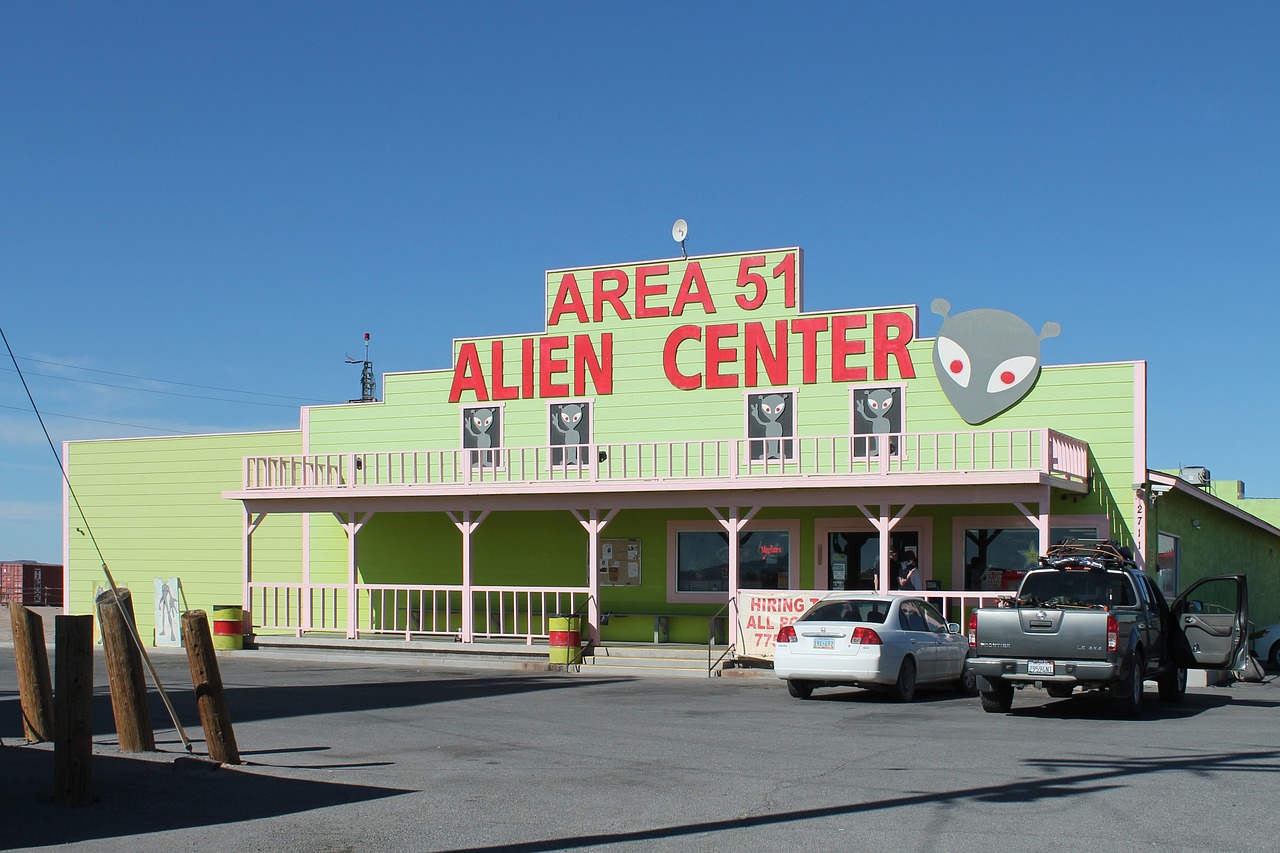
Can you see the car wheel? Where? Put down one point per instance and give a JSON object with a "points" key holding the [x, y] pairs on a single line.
{"points": [[1131, 700], [1274, 657], [799, 689], [1173, 685], [967, 683], [1060, 691], [999, 700], [904, 689]]}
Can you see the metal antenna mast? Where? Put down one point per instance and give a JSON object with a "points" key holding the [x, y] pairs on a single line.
{"points": [[368, 385]]}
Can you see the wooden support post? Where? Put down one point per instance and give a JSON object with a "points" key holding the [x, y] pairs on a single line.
{"points": [[35, 689], [207, 680], [73, 714], [124, 672]]}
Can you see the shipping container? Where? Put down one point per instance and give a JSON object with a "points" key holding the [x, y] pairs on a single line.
{"points": [[31, 584]]}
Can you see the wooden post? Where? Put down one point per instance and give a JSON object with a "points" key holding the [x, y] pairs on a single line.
{"points": [[35, 689], [73, 714], [124, 672], [207, 680]]}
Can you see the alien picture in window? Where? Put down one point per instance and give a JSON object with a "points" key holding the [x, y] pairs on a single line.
{"points": [[770, 419], [481, 432], [878, 416], [569, 425], [986, 359]]}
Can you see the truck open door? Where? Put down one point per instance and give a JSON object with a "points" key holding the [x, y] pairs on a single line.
{"points": [[1211, 624]]}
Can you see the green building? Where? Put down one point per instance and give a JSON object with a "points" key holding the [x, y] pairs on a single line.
{"points": [[683, 449]]}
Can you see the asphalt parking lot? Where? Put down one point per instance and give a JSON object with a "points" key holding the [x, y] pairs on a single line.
{"points": [[374, 756]]}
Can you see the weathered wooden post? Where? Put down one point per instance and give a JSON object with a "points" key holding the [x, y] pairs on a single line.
{"points": [[207, 681], [124, 671], [73, 713], [35, 689]]}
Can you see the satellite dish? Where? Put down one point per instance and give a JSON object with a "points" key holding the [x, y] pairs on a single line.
{"points": [[679, 231]]}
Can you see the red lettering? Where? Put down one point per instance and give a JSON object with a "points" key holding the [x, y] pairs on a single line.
{"points": [[500, 391], [787, 268], [842, 348], [468, 375], [549, 366], [748, 278], [645, 290], [756, 351], [568, 300], [895, 346], [599, 366], [718, 355], [613, 296], [526, 368], [693, 289], [808, 329], [669, 351]]}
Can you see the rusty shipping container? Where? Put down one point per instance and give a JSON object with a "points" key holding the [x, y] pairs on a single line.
{"points": [[31, 584]]}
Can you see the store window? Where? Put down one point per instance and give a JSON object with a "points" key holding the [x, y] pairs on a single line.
{"points": [[1168, 558], [702, 560], [996, 558]]}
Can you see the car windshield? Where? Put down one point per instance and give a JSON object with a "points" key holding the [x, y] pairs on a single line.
{"points": [[848, 610], [1077, 589]]}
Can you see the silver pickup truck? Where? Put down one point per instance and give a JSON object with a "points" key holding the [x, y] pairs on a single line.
{"points": [[1089, 618]]}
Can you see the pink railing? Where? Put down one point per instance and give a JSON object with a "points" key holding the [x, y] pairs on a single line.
{"points": [[958, 452]]}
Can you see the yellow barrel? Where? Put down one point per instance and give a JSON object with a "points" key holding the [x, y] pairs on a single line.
{"points": [[228, 626], [566, 639]]}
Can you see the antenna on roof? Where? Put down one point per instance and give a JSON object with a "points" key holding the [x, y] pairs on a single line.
{"points": [[368, 385]]}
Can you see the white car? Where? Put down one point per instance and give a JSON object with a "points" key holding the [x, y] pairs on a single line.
{"points": [[882, 642], [1266, 646]]}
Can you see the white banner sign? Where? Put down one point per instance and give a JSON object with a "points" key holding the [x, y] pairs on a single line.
{"points": [[762, 613]]}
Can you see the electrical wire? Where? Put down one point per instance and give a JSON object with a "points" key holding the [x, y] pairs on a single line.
{"points": [[115, 591]]}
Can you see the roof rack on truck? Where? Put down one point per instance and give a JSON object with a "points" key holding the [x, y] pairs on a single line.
{"points": [[1088, 554]]}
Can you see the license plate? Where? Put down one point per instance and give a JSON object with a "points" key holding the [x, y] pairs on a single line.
{"points": [[1039, 667], [824, 642]]}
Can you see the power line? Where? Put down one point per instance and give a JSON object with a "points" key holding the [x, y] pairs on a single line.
{"points": [[158, 391], [100, 421], [165, 381]]}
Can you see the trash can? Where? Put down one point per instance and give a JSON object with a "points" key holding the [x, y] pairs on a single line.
{"points": [[228, 626], [566, 639]]}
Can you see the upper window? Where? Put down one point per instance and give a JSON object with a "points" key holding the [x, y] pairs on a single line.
{"points": [[877, 416], [771, 426], [569, 433], [482, 435]]}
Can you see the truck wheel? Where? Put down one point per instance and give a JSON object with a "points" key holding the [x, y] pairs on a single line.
{"points": [[1131, 700], [998, 701], [799, 689], [904, 689], [1173, 685]]}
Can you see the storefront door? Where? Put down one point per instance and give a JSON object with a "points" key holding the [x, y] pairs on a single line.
{"points": [[851, 558]]}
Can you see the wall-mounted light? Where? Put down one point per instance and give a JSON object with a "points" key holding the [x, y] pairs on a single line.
{"points": [[1195, 522]]}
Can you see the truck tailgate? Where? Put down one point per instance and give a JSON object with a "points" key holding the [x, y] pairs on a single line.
{"points": [[1050, 633]]}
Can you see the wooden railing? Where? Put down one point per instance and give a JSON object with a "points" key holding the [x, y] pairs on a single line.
{"points": [[960, 452]]}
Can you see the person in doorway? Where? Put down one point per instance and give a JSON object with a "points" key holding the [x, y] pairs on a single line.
{"points": [[895, 570], [907, 571]]}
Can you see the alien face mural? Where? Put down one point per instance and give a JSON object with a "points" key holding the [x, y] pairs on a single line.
{"points": [[986, 360]]}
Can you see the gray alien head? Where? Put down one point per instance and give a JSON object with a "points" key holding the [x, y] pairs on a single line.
{"points": [[986, 359]]}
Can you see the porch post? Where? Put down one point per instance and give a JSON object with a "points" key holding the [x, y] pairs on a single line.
{"points": [[305, 606], [246, 595], [884, 524], [1039, 520], [352, 528], [593, 524], [733, 526], [467, 527]]}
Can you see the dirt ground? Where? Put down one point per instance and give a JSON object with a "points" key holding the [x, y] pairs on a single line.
{"points": [[46, 615]]}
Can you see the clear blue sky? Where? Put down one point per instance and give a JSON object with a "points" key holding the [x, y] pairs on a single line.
{"points": [[203, 207]]}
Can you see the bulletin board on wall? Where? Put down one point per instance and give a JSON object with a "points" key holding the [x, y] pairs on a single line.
{"points": [[619, 562]]}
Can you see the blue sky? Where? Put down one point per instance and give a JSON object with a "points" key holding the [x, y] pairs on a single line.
{"points": [[203, 207]]}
